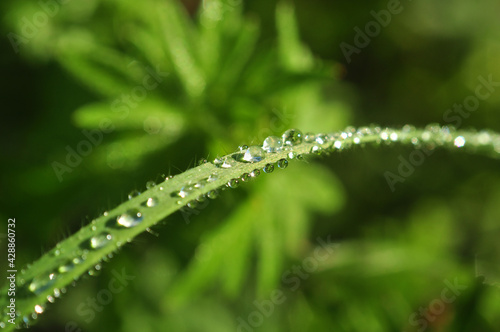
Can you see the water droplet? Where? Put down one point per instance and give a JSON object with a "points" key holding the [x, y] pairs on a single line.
{"points": [[213, 194], [39, 309], [57, 292], [186, 190], [152, 201], [338, 145], [192, 204], [50, 298], [292, 154], [384, 135], [459, 141], [269, 168], [199, 185], [133, 194], [316, 150], [66, 267], [233, 183], [300, 157], [393, 136], [282, 163], [255, 173], [130, 218], [292, 137], [321, 139], [212, 178], [309, 138], [78, 260], [225, 162], [150, 184], [253, 154], [100, 240], [41, 283], [272, 144], [245, 177]]}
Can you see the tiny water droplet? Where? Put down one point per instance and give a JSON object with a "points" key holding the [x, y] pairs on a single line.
{"points": [[272, 144], [253, 154], [50, 298], [233, 183], [255, 173], [100, 240], [133, 194], [315, 149], [57, 292], [224, 162], [212, 178], [269, 168], [130, 218], [309, 138], [192, 204], [213, 194], [152, 201], [245, 177], [150, 184], [243, 147], [321, 139], [459, 141], [292, 154], [282, 163], [39, 309], [41, 283], [78, 260], [66, 267], [292, 137]]}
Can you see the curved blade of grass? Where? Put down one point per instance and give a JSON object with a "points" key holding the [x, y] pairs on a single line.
{"points": [[63, 265]]}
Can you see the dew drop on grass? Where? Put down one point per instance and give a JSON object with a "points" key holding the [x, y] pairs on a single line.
{"points": [[151, 201], [245, 177], [39, 309], [459, 141], [213, 194], [272, 144], [233, 183], [133, 194], [292, 137], [269, 168], [41, 283], [252, 154], [255, 173], [100, 240], [150, 184], [69, 266], [131, 218], [282, 163]]}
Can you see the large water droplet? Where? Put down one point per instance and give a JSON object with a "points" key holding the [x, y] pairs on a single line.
{"points": [[41, 283], [292, 137], [272, 144], [253, 154], [100, 240], [131, 218]]}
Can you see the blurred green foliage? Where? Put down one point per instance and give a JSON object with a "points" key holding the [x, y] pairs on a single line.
{"points": [[180, 82]]}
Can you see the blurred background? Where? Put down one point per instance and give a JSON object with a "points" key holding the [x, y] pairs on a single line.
{"points": [[101, 97]]}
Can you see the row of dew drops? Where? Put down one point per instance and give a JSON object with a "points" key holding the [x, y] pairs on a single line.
{"points": [[319, 144], [134, 217]]}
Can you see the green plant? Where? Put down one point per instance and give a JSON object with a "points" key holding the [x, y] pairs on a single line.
{"points": [[168, 88], [89, 247]]}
